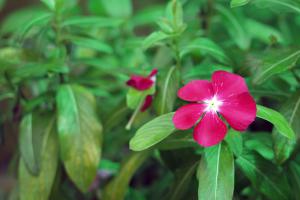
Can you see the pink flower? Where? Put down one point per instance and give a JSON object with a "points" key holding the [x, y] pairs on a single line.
{"points": [[226, 96], [142, 83]]}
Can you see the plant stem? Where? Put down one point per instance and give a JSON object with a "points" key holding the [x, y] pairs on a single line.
{"points": [[136, 112], [175, 46]]}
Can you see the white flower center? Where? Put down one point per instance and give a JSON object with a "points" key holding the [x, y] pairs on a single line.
{"points": [[213, 104]]}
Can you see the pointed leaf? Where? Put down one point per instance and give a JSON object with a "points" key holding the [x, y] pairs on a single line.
{"points": [[274, 64], [205, 46], [262, 32], [50, 4], [236, 3], [283, 147], [31, 133], [39, 187], [274, 117], [152, 132], [91, 43], [174, 13], [216, 174], [289, 4], [154, 38], [80, 134]]}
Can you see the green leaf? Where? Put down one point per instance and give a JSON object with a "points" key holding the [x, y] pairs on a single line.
{"points": [[62, 6], [274, 64], [50, 4], [117, 188], [91, 21], [31, 133], [205, 46], [235, 27], [216, 173], [30, 70], [261, 143], [118, 8], [154, 38], [289, 4], [168, 91], [283, 147], [80, 134], [148, 15], [152, 132], [174, 14], [264, 176], [39, 187], [236, 3], [234, 140], [274, 117], [40, 20], [263, 32], [166, 26], [16, 20], [91, 43]]}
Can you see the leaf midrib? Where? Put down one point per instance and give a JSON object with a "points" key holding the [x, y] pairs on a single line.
{"points": [[217, 170], [277, 63], [285, 4], [76, 111]]}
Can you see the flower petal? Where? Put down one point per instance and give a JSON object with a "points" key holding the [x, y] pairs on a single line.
{"points": [[139, 82], [153, 73], [197, 90], [239, 111], [226, 84], [186, 116], [210, 130], [147, 103]]}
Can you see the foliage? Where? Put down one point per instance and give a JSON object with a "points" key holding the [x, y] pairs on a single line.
{"points": [[63, 73]]}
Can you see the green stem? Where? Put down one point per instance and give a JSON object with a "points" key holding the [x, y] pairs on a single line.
{"points": [[177, 52], [136, 112]]}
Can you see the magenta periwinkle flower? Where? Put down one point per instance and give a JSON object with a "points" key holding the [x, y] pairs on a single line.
{"points": [[225, 97], [143, 83]]}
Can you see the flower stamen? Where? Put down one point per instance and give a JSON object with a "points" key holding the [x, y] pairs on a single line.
{"points": [[213, 104]]}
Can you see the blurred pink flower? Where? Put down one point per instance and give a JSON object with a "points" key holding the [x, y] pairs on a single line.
{"points": [[142, 83]]}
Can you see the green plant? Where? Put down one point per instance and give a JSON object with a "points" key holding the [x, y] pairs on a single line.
{"points": [[64, 67]]}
